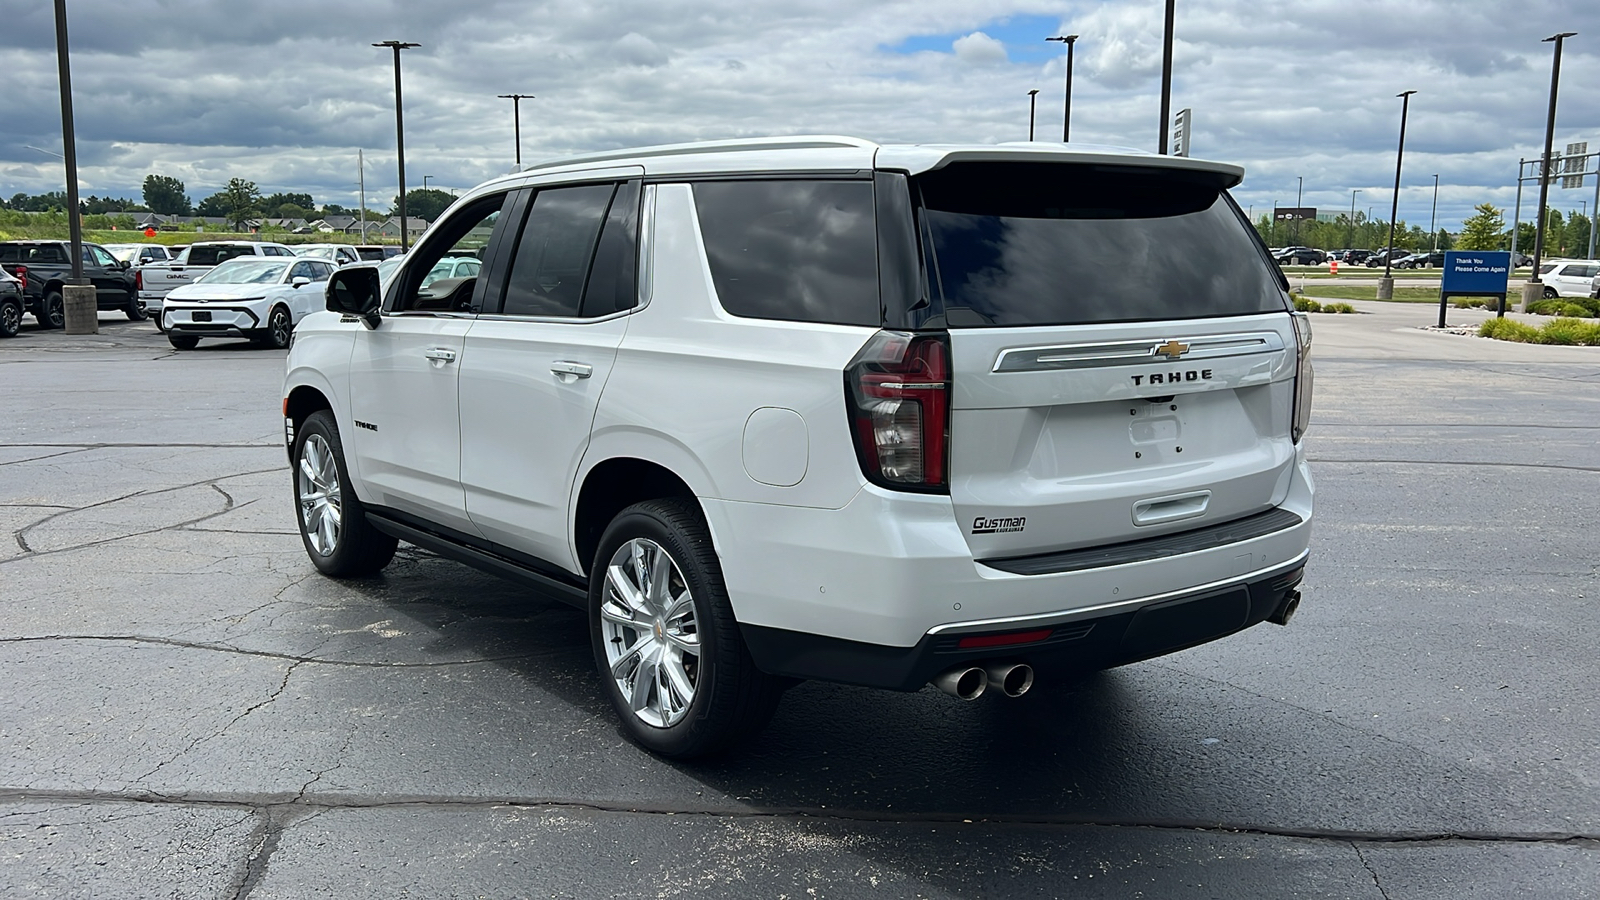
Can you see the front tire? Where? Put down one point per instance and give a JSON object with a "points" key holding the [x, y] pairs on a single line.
{"points": [[52, 310], [1550, 293], [278, 330], [333, 524], [666, 643], [183, 341]]}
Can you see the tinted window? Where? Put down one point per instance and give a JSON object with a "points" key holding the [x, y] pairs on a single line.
{"points": [[555, 249], [212, 254], [803, 250], [302, 270], [1050, 244], [613, 279], [49, 253]]}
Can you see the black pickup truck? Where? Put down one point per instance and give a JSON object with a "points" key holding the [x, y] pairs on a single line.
{"points": [[44, 266]]}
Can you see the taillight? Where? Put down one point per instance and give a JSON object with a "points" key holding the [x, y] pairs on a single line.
{"points": [[898, 389], [138, 279], [22, 275], [1302, 375]]}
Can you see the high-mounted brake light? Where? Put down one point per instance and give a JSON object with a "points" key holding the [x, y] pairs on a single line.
{"points": [[898, 391], [1302, 376]]}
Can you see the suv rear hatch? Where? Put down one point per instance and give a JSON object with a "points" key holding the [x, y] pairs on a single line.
{"points": [[1122, 355]]}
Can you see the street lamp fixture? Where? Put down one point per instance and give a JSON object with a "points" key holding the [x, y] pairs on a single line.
{"points": [[1066, 110], [516, 119], [1386, 284], [400, 131], [1535, 288], [1033, 102]]}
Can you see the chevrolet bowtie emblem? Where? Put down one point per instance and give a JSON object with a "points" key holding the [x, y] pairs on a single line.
{"points": [[1172, 349]]}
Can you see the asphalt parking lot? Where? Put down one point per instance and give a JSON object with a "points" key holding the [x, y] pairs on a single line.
{"points": [[193, 712]]}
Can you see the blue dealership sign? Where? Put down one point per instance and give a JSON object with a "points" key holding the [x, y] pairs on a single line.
{"points": [[1475, 272]]}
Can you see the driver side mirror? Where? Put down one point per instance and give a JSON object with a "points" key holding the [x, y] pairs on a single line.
{"points": [[356, 292], [300, 282]]}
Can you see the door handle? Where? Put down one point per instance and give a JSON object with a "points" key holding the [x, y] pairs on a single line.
{"points": [[569, 372], [438, 357]]}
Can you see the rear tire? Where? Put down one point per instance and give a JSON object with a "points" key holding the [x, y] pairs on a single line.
{"points": [[135, 311], [183, 341], [666, 643], [10, 318], [52, 310], [333, 523], [1550, 293]]}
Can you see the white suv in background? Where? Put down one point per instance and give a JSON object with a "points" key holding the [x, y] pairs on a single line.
{"points": [[818, 408]]}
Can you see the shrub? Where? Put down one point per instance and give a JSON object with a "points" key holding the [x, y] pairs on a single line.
{"points": [[1470, 302], [1338, 308], [1546, 307], [1570, 331], [1304, 304], [1573, 311], [1509, 330]]}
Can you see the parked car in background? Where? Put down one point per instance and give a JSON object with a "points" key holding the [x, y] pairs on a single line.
{"points": [[452, 267], [1432, 259], [11, 307], [729, 418], [1568, 277], [140, 254], [1355, 257], [44, 267], [1377, 257], [159, 279], [338, 254], [378, 252], [254, 298], [1301, 256]]}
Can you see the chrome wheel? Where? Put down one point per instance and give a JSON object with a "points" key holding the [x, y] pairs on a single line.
{"points": [[10, 319], [651, 636], [278, 328], [321, 506]]}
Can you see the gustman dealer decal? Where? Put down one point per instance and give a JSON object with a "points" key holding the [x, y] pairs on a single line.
{"points": [[983, 525]]}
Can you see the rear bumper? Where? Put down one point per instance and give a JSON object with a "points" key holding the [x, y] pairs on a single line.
{"points": [[1068, 645], [890, 572]]}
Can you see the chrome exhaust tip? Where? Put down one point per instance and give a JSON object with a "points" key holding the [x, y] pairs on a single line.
{"points": [[1286, 612], [965, 682], [1014, 679]]}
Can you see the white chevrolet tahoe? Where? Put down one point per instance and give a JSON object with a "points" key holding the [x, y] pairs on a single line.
{"points": [[818, 408]]}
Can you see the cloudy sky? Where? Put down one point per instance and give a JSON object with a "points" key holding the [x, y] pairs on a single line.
{"points": [[284, 93]]}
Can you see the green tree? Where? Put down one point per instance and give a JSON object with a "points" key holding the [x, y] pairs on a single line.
{"points": [[423, 204], [164, 195], [1575, 235], [1482, 230]]}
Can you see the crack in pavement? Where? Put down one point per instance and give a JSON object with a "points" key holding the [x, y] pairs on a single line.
{"points": [[312, 803], [1370, 870], [20, 535], [282, 686], [296, 659], [16, 462]]}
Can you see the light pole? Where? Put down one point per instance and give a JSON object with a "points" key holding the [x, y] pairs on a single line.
{"points": [[1534, 289], [1350, 227], [425, 181], [69, 143], [1066, 109], [1033, 102], [1166, 78], [516, 119], [1386, 283], [399, 131], [1299, 192], [1433, 220]]}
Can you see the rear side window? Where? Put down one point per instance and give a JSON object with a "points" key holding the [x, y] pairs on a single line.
{"points": [[216, 253], [804, 250], [555, 249], [1012, 244]]}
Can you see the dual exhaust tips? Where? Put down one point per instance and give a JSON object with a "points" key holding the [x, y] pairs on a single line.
{"points": [[969, 682]]}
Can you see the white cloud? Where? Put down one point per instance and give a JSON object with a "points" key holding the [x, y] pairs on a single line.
{"points": [[979, 49], [638, 50]]}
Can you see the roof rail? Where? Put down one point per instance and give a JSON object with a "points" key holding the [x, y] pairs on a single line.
{"points": [[795, 142]]}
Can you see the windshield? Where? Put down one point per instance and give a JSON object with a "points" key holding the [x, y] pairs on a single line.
{"points": [[253, 271], [1013, 244], [125, 254]]}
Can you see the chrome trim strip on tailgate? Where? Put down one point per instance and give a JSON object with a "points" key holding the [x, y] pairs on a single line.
{"points": [[1130, 353], [1146, 549], [1069, 615]]}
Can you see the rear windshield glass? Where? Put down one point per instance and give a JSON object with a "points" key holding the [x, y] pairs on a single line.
{"points": [[1012, 244], [216, 253], [803, 250]]}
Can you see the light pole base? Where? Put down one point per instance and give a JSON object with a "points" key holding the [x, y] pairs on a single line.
{"points": [[80, 307], [1386, 288], [1532, 291]]}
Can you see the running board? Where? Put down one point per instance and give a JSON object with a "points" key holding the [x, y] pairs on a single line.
{"points": [[566, 592]]}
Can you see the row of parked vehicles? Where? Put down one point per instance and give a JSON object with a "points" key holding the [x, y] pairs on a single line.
{"points": [[243, 289], [1396, 257]]}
